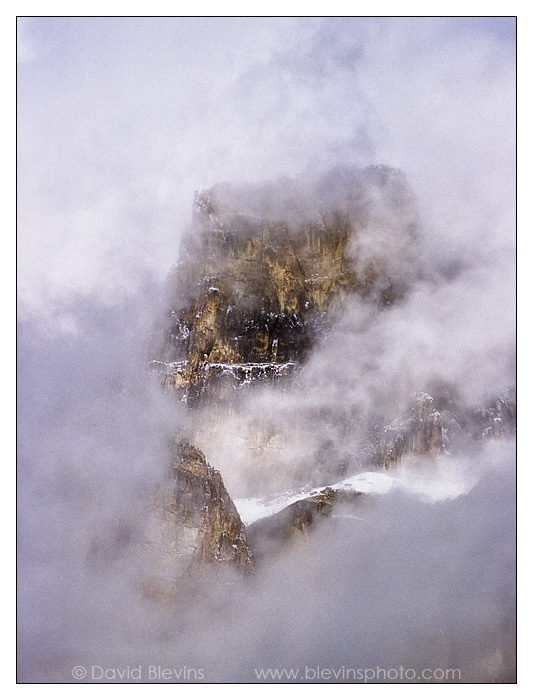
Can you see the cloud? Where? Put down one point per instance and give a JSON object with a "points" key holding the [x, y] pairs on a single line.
{"points": [[120, 121]]}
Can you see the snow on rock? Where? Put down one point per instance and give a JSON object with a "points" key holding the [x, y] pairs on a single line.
{"points": [[427, 489]]}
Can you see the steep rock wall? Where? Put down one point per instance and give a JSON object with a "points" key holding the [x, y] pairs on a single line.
{"points": [[262, 268], [194, 522]]}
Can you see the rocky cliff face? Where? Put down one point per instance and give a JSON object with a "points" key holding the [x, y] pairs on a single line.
{"points": [[262, 275], [262, 268], [437, 424], [194, 522]]}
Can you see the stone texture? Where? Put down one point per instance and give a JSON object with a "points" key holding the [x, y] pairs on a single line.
{"points": [[437, 424], [194, 522], [261, 269]]}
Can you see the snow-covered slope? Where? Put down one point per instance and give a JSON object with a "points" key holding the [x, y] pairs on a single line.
{"points": [[430, 489]]}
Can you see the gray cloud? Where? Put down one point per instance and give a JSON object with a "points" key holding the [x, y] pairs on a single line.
{"points": [[120, 121]]}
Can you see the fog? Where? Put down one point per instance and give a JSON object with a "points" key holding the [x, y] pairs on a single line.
{"points": [[120, 121]]}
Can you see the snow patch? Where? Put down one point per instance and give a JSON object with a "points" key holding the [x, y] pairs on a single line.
{"points": [[430, 489]]}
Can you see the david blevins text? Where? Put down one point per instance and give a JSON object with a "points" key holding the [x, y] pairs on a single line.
{"points": [[147, 673]]}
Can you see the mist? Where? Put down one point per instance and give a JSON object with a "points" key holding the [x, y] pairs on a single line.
{"points": [[120, 121]]}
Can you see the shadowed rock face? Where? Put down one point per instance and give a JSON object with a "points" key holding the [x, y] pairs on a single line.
{"points": [[203, 504], [261, 269], [296, 521], [194, 522], [437, 424]]}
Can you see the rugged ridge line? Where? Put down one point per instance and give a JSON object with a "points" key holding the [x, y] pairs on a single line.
{"points": [[261, 275]]}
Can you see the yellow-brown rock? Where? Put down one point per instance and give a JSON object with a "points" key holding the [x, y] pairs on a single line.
{"points": [[261, 269], [194, 522]]}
